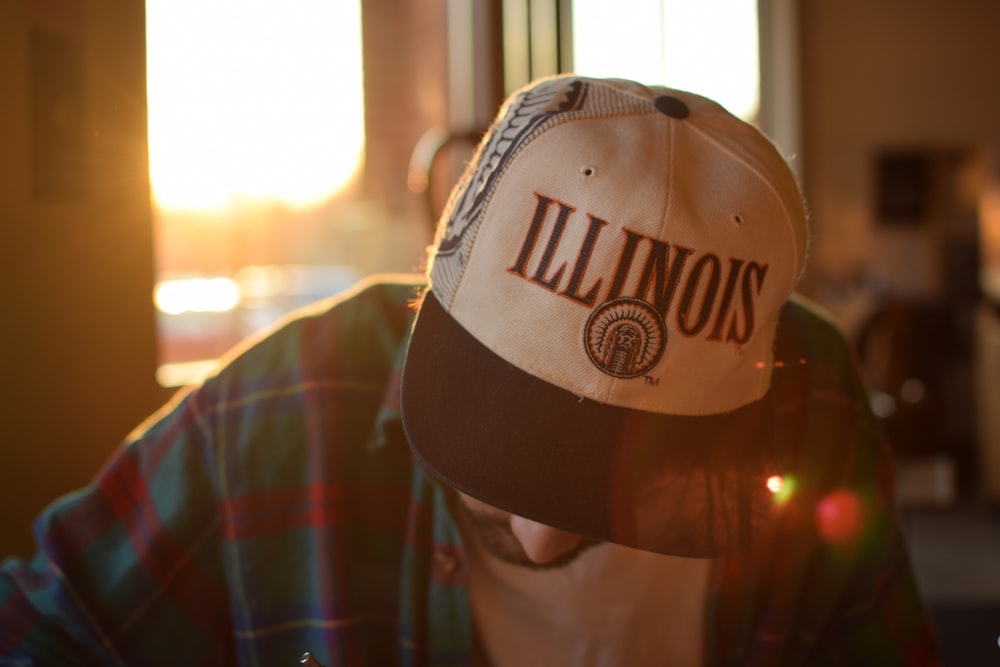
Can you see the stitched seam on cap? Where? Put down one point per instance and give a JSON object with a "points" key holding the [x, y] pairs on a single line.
{"points": [[768, 182]]}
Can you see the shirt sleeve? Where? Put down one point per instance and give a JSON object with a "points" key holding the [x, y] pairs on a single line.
{"points": [[881, 615], [860, 589], [833, 583], [127, 570], [257, 516]]}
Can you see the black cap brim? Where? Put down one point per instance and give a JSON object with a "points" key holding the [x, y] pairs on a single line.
{"points": [[690, 486]]}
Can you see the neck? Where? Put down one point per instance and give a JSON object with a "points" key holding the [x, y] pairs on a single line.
{"points": [[611, 605]]}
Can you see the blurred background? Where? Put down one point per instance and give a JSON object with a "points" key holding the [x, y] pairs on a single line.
{"points": [[177, 174]]}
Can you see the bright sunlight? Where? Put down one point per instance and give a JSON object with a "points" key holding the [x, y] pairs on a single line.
{"points": [[707, 47], [252, 101]]}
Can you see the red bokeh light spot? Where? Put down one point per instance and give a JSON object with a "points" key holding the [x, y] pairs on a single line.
{"points": [[839, 517]]}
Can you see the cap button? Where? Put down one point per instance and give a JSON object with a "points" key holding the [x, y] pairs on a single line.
{"points": [[671, 106]]}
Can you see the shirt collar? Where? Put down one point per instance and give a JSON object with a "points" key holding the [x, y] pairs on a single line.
{"points": [[388, 418]]}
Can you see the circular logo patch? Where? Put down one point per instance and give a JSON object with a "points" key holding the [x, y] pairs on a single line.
{"points": [[625, 337]]}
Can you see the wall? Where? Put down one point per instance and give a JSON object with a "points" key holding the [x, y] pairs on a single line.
{"points": [[918, 76], [894, 73], [77, 344], [405, 92]]}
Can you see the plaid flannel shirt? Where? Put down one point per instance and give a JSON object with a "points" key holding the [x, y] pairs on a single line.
{"points": [[275, 509]]}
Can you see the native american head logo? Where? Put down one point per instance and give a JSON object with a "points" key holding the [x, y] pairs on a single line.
{"points": [[625, 337]]}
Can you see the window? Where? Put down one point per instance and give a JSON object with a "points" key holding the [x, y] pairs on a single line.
{"points": [[708, 47], [256, 139]]}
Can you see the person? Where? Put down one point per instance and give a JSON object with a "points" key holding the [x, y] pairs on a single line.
{"points": [[604, 430]]}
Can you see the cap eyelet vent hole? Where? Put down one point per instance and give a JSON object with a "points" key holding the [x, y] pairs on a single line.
{"points": [[587, 171], [738, 219]]}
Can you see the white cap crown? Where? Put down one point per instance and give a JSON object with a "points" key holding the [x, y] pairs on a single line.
{"points": [[632, 245]]}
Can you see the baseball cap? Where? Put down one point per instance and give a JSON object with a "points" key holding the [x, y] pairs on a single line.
{"points": [[595, 346]]}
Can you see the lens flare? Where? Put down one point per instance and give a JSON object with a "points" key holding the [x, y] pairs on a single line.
{"points": [[774, 483], [781, 488], [840, 517]]}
